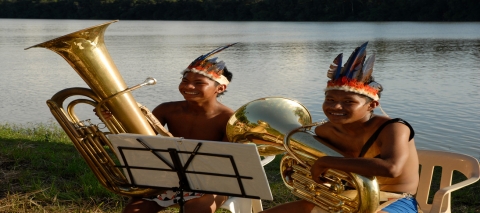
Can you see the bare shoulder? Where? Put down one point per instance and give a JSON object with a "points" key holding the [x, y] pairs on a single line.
{"points": [[394, 128], [325, 131], [163, 110], [226, 110], [395, 140], [224, 113], [169, 106]]}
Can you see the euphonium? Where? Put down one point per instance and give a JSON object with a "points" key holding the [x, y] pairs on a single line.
{"points": [[85, 51], [279, 125]]}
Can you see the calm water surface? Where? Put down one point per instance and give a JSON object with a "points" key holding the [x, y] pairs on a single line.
{"points": [[430, 71]]}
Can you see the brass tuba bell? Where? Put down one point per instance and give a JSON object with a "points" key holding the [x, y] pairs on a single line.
{"points": [[282, 126], [85, 51]]}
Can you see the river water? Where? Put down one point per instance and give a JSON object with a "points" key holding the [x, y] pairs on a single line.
{"points": [[430, 71]]}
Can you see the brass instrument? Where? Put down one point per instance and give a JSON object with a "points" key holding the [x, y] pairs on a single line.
{"points": [[281, 126], [85, 51]]}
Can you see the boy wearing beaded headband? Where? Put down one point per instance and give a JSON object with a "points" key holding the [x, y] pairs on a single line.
{"points": [[372, 145], [210, 67], [355, 76], [200, 116]]}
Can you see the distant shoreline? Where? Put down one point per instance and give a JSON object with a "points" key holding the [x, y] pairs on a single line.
{"points": [[246, 10]]}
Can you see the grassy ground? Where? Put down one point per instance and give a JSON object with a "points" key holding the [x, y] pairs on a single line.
{"points": [[41, 171]]}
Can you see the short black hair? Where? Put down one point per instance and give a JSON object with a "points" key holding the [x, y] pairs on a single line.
{"points": [[376, 86]]}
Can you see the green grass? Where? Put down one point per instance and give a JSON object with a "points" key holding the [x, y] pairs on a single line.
{"points": [[41, 171]]}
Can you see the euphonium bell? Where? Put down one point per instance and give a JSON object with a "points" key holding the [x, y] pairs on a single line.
{"points": [[264, 121], [282, 126], [85, 51]]}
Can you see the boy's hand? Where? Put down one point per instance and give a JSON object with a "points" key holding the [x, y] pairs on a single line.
{"points": [[318, 171], [107, 115]]}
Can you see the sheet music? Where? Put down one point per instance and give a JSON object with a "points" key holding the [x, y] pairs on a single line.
{"points": [[245, 156]]}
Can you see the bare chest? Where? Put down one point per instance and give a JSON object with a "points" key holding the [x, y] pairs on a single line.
{"points": [[196, 127], [352, 146]]}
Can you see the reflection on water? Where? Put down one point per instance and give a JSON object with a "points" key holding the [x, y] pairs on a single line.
{"points": [[430, 71]]}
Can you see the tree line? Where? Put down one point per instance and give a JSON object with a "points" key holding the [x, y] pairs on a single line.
{"points": [[246, 10]]}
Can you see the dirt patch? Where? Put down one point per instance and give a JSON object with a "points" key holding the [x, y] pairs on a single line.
{"points": [[8, 176]]}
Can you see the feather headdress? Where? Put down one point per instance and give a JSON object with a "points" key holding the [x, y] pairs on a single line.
{"points": [[355, 75], [209, 67]]}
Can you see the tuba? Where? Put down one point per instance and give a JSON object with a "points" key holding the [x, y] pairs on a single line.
{"points": [[86, 53], [282, 126]]}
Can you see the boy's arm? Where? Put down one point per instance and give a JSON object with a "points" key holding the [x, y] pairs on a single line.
{"points": [[225, 138], [160, 112], [394, 152]]}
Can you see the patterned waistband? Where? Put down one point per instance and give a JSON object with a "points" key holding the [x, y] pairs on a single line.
{"points": [[386, 196]]}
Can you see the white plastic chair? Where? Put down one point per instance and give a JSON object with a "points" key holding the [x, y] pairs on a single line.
{"points": [[449, 162], [246, 205]]}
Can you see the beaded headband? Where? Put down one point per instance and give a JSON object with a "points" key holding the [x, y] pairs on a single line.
{"points": [[355, 75], [210, 67]]}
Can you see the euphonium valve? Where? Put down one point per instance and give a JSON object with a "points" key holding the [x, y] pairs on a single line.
{"points": [[282, 126]]}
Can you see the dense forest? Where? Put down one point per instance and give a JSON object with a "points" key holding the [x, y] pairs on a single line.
{"points": [[246, 10]]}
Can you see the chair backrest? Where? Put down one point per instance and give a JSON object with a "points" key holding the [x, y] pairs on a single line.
{"points": [[449, 162]]}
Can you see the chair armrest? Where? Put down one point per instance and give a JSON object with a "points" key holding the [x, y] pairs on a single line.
{"points": [[267, 159], [440, 194]]}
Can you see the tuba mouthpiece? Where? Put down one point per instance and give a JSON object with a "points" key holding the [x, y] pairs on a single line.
{"points": [[150, 81]]}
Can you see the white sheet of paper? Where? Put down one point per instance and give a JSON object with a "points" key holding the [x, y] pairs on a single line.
{"points": [[245, 156]]}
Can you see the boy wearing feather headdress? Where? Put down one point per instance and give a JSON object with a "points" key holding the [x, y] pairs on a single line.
{"points": [[372, 145], [200, 116]]}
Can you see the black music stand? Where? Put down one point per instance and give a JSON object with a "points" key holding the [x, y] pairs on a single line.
{"points": [[180, 165]]}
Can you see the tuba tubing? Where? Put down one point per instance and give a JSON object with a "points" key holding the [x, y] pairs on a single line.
{"points": [[85, 52]]}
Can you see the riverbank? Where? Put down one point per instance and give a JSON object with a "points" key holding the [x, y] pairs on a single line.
{"points": [[41, 171]]}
